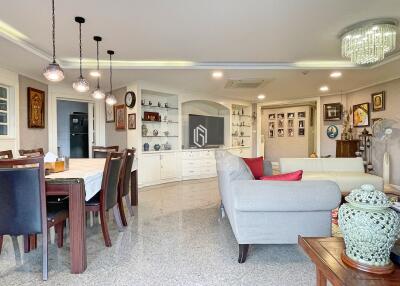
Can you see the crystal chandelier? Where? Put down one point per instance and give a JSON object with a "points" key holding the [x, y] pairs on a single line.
{"points": [[81, 84], [368, 42], [53, 72], [111, 99], [98, 93]]}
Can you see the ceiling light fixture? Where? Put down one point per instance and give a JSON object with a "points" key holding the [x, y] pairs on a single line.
{"points": [[95, 73], [324, 88], [335, 74], [81, 84], [111, 99], [369, 41], [261, 96], [217, 74], [98, 93], [53, 72]]}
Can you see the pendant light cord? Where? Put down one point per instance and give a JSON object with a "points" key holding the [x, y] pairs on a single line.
{"points": [[110, 74], [80, 48], [54, 33], [98, 69]]}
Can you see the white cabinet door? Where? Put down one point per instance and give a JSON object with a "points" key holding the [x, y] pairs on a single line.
{"points": [[168, 166], [149, 170]]}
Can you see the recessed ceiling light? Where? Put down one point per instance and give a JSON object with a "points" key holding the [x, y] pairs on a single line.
{"points": [[324, 88], [335, 74], [217, 74], [261, 96], [95, 73]]}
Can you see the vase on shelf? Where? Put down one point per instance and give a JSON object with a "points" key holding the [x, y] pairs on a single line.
{"points": [[146, 146], [144, 130]]}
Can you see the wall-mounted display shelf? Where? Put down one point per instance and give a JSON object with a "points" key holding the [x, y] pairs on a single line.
{"points": [[241, 125], [160, 114]]}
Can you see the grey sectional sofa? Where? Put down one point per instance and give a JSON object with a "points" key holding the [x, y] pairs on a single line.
{"points": [[272, 212]]}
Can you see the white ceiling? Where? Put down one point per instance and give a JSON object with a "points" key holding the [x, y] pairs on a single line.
{"points": [[217, 32]]}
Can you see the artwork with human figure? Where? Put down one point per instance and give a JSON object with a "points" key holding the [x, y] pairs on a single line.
{"points": [[36, 118], [378, 101], [361, 116]]}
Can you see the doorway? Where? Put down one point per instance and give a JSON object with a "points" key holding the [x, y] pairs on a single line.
{"points": [[73, 128]]}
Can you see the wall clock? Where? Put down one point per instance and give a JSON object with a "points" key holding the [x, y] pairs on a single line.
{"points": [[130, 99], [332, 131]]}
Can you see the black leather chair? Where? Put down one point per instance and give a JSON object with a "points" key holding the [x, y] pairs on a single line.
{"points": [[23, 209], [123, 186], [101, 151], [107, 197]]}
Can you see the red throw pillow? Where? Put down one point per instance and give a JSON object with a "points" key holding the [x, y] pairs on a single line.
{"points": [[256, 166], [295, 176]]}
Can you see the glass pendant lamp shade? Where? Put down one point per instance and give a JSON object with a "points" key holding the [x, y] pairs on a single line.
{"points": [[98, 94], [111, 99], [53, 72], [81, 85]]}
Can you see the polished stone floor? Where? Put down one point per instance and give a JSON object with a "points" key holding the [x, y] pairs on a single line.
{"points": [[176, 238]]}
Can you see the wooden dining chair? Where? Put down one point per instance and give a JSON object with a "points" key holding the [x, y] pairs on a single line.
{"points": [[107, 197], [101, 151], [31, 152], [7, 154], [23, 208], [123, 185]]}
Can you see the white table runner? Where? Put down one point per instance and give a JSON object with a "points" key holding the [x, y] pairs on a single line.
{"points": [[90, 170]]}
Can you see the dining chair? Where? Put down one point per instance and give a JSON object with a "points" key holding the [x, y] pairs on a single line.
{"points": [[23, 208], [101, 151], [31, 152], [123, 186], [7, 154], [107, 197]]}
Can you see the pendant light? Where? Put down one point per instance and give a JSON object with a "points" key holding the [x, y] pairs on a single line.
{"points": [[81, 84], [111, 99], [53, 72], [98, 93]]}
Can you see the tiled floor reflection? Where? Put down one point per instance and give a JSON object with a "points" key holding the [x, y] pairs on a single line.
{"points": [[176, 238]]}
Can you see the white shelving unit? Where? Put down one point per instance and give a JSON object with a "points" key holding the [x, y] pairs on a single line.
{"points": [[241, 125], [165, 131]]}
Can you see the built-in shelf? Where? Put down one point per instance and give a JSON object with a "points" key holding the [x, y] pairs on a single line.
{"points": [[240, 136], [160, 136], [163, 121], [241, 124], [238, 125], [159, 107], [241, 115]]}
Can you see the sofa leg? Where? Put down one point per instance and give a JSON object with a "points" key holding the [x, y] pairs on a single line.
{"points": [[222, 209], [243, 251]]}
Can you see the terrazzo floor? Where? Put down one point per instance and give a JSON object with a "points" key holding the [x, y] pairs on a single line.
{"points": [[175, 238]]}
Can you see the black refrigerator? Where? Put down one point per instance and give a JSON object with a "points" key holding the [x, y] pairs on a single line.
{"points": [[79, 137]]}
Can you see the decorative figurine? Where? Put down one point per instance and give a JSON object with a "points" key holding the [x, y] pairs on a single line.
{"points": [[155, 132], [157, 147]]}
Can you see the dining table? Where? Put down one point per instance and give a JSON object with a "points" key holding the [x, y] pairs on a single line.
{"points": [[80, 183]]}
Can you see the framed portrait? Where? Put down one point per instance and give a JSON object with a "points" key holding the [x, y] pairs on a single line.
{"points": [[271, 125], [332, 131], [361, 115], [271, 116], [301, 114], [132, 121], [301, 123], [36, 108], [333, 111], [281, 132], [290, 123], [290, 132], [280, 123], [302, 132], [120, 117], [271, 133], [110, 113], [281, 115], [378, 101], [290, 115]]}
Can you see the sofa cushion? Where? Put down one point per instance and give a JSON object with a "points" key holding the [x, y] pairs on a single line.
{"points": [[231, 167], [347, 181], [294, 176], [256, 166]]}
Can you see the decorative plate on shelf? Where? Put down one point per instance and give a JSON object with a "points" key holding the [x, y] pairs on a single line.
{"points": [[332, 131]]}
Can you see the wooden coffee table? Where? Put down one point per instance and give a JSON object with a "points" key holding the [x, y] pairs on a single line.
{"points": [[325, 253]]}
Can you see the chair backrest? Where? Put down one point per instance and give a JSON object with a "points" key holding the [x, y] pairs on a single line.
{"points": [[32, 152], [22, 196], [7, 154], [111, 175], [129, 155], [101, 151]]}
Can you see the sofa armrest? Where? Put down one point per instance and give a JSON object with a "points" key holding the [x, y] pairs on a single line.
{"points": [[267, 168], [283, 196]]}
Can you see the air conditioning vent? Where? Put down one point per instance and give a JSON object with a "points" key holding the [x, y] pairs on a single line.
{"points": [[244, 83]]}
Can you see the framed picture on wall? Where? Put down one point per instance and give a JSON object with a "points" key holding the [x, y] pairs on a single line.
{"points": [[290, 115], [361, 115], [281, 115], [271, 116], [35, 108], [280, 123], [290, 123], [132, 121], [120, 117], [281, 132], [378, 101], [271, 133], [290, 132], [302, 132], [110, 113], [333, 111], [301, 114], [301, 123], [271, 125]]}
